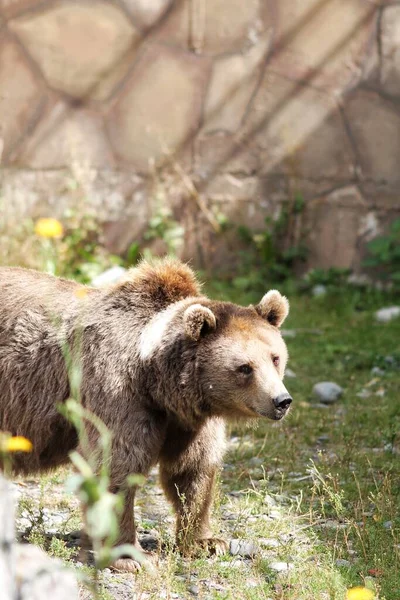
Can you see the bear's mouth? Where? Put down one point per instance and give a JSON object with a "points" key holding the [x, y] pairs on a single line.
{"points": [[275, 415]]}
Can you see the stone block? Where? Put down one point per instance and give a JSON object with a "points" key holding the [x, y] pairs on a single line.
{"points": [[65, 137], [375, 127], [11, 8], [76, 44], [159, 109], [325, 155], [292, 124], [246, 200], [380, 196], [21, 97], [390, 50], [332, 223], [111, 193], [213, 28], [233, 81], [233, 29], [220, 152], [323, 42]]}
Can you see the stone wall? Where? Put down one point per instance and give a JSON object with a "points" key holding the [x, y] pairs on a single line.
{"points": [[235, 108]]}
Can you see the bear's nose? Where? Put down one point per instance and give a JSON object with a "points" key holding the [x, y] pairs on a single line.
{"points": [[283, 401]]}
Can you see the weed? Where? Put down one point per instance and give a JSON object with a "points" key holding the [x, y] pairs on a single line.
{"points": [[59, 549], [384, 254]]}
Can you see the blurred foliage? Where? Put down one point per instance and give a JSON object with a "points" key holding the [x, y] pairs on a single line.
{"points": [[384, 254], [332, 277], [273, 253]]}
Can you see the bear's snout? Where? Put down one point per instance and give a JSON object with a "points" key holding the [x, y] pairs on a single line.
{"points": [[283, 401]]}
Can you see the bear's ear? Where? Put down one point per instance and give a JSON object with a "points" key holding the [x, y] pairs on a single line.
{"points": [[273, 307], [198, 319]]}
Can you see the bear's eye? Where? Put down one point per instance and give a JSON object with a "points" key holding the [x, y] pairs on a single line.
{"points": [[245, 369], [275, 360]]}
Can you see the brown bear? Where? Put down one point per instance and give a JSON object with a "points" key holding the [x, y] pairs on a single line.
{"points": [[162, 365]]}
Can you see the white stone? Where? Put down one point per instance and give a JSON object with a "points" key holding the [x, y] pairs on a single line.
{"points": [[243, 548], [342, 562], [281, 567], [384, 315]]}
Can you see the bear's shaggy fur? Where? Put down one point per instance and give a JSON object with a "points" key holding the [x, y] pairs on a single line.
{"points": [[162, 366]]}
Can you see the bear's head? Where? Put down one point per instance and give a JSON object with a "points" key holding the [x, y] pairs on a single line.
{"points": [[210, 357], [241, 356]]}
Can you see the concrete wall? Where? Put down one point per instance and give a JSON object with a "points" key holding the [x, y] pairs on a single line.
{"points": [[234, 107]]}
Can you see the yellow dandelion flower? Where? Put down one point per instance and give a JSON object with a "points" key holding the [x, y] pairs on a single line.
{"points": [[17, 444], [360, 593], [81, 293], [49, 228]]}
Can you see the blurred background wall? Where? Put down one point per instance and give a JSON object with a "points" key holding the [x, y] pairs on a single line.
{"points": [[226, 111]]}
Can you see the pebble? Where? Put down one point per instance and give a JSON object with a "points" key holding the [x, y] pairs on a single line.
{"points": [[270, 500], [270, 542], [255, 461], [377, 371], [327, 392], [291, 374], [342, 562], [384, 315], [281, 567], [390, 360], [389, 448], [388, 525], [363, 394], [243, 548], [194, 589]]}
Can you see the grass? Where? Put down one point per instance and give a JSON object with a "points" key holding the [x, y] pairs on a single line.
{"points": [[320, 491]]}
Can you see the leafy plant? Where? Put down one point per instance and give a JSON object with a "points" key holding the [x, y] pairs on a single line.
{"points": [[332, 277], [272, 253], [384, 254], [163, 226], [80, 252]]}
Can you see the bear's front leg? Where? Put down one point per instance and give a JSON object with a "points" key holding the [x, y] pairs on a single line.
{"points": [[188, 467], [132, 456], [128, 535]]}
